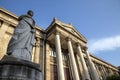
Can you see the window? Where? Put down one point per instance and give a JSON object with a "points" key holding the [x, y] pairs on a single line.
{"points": [[52, 53], [64, 56], [67, 74], [53, 72]]}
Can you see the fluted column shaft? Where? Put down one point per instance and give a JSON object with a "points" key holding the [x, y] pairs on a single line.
{"points": [[92, 67], [59, 57], [84, 66], [103, 73], [73, 62], [37, 50]]}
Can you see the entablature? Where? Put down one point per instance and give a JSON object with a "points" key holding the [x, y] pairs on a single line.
{"points": [[8, 17]]}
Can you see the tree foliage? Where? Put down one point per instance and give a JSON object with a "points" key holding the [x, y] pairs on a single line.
{"points": [[113, 77]]}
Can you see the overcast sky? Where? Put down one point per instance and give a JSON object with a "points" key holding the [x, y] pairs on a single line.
{"points": [[97, 20]]}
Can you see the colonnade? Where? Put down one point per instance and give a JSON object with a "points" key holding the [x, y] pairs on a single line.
{"points": [[73, 61]]}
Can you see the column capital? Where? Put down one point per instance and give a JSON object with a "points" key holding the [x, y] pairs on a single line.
{"points": [[37, 44], [86, 48], [81, 45], [78, 44], [68, 39], [37, 38], [57, 32]]}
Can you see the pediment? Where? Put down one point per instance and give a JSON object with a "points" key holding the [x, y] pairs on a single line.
{"points": [[70, 28], [67, 27]]}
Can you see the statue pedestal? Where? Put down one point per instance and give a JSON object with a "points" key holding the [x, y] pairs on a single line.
{"points": [[16, 69]]}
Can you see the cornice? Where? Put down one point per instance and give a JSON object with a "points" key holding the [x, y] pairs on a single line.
{"points": [[9, 13], [62, 24], [102, 60]]}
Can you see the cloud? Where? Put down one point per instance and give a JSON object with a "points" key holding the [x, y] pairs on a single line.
{"points": [[104, 44]]}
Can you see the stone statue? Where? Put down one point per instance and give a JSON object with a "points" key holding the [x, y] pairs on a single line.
{"points": [[23, 39]]}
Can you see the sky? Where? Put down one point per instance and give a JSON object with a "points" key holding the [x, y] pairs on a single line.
{"points": [[97, 20]]}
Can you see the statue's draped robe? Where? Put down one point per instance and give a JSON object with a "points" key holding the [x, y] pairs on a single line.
{"points": [[22, 41]]}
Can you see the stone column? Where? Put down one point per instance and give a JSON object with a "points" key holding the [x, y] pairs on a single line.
{"points": [[92, 67], [84, 66], [97, 69], [59, 57], [73, 62], [110, 72], [103, 73], [37, 51]]}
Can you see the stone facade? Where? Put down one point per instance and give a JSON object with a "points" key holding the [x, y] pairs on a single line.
{"points": [[60, 50]]}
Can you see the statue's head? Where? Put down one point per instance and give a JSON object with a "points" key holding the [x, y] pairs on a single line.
{"points": [[30, 12]]}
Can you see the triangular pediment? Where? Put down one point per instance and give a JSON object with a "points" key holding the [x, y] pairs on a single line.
{"points": [[70, 28]]}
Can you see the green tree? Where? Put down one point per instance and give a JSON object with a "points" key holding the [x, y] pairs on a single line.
{"points": [[113, 77]]}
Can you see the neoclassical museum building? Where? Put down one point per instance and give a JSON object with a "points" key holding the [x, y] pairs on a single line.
{"points": [[60, 50]]}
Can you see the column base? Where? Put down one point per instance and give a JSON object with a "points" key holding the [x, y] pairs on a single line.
{"points": [[12, 68]]}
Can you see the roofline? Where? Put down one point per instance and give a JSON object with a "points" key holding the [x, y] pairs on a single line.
{"points": [[9, 13], [48, 28], [102, 60], [39, 28], [56, 21], [16, 17]]}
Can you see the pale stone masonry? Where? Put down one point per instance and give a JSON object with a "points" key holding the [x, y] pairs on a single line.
{"points": [[60, 50], [59, 57], [73, 62], [86, 74]]}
